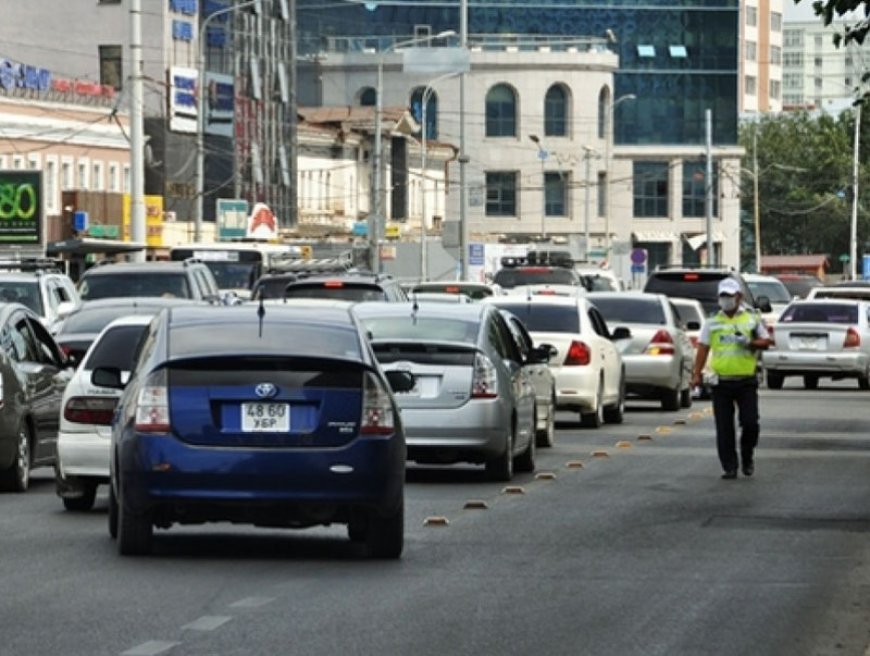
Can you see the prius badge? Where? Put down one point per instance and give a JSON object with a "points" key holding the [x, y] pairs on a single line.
{"points": [[265, 390]]}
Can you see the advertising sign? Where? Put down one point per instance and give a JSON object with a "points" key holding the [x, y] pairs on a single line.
{"points": [[262, 223], [153, 219], [219, 104], [21, 207], [182, 99], [232, 219]]}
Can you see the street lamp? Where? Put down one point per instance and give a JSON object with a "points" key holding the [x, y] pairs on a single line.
{"points": [[588, 152], [376, 219], [200, 113], [853, 228], [424, 255], [608, 145], [542, 155]]}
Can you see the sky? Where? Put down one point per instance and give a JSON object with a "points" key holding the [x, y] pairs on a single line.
{"points": [[801, 11]]}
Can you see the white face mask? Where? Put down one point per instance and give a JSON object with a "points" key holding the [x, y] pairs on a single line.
{"points": [[728, 303]]}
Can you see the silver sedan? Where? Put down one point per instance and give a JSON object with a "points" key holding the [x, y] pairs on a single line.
{"points": [[820, 338]]}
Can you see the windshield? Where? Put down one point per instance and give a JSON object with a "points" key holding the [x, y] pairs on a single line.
{"points": [[117, 348], [688, 312], [118, 285], [630, 310], [337, 291], [544, 318], [775, 291], [821, 313], [233, 269], [20, 291], [510, 278], [93, 320]]}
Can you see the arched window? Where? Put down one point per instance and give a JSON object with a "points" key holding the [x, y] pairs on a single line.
{"points": [[368, 97], [431, 110], [501, 112], [603, 112], [556, 111]]}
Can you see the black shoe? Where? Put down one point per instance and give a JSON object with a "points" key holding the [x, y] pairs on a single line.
{"points": [[731, 473], [748, 468]]}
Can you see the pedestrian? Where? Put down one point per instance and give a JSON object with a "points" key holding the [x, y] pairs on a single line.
{"points": [[731, 338]]}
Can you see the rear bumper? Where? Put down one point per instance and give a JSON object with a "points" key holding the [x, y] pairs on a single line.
{"points": [[177, 482], [83, 455], [646, 373], [793, 362], [576, 387]]}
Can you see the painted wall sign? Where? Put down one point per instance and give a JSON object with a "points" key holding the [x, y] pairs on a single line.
{"points": [[21, 207]]}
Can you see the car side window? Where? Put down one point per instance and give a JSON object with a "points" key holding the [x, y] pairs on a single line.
{"points": [[509, 349], [599, 325], [46, 347], [678, 319], [23, 342], [521, 337]]}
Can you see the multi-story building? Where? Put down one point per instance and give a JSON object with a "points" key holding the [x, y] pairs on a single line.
{"points": [[761, 56]]}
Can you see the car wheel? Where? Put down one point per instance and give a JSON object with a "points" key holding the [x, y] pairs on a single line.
{"points": [[671, 399], [385, 536], [864, 382], [501, 468], [547, 437], [135, 532], [774, 380], [17, 477], [525, 462], [595, 418], [615, 414], [85, 501], [686, 398], [811, 382], [113, 512]]}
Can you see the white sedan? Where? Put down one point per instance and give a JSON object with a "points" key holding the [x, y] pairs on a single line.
{"points": [[587, 365], [84, 438]]}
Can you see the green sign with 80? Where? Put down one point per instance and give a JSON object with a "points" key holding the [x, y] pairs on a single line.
{"points": [[20, 207]]}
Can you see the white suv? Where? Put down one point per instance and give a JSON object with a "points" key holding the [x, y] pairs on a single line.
{"points": [[40, 286]]}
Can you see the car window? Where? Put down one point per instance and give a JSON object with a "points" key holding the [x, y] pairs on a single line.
{"points": [[630, 310], [821, 313], [599, 325], [46, 348], [143, 283], [541, 317], [116, 348], [509, 278], [424, 328], [23, 342], [688, 312], [509, 345], [22, 291], [521, 336], [338, 290]]}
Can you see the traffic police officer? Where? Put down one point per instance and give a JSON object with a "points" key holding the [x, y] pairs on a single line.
{"points": [[731, 338]]}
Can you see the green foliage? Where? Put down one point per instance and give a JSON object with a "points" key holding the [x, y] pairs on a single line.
{"points": [[830, 10], [804, 172]]}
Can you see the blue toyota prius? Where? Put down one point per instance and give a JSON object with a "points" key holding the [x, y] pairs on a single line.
{"points": [[275, 416]]}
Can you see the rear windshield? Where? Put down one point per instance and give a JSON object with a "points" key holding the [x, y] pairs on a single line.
{"points": [[800, 286], [860, 293], [26, 293], [284, 373], [94, 320], [423, 354], [339, 290], [437, 329], [544, 318], [630, 310], [285, 337], [821, 313], [701, 287], [115, 285], [689, 313], [116, 348], [509, 278], [471, 291], [775, 291], [272, 287]]}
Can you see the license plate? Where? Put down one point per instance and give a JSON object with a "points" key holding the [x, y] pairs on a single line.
{"points": [[809, 343], [265, 417]]}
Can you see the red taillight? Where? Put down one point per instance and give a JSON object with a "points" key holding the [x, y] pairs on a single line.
{"points": [[451, 289], [333, 283], [691, 276], [546, 292], [90, 410], [377, 410], [578, 354], [853, 339], [152, 407], [661, 344], [484, 381]]}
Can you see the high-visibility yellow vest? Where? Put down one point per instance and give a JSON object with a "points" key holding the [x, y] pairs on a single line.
{"points": [[729, 357]]}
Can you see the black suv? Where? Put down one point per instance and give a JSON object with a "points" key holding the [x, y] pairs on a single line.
{"points": [[701, 284], [328, 278], [538, 268], [189, 279]]}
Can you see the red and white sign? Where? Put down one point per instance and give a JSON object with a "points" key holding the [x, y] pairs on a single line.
{"points": [[262, 224]]}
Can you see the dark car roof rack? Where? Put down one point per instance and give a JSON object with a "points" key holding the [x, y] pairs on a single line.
{"points": [[289, 263], [560, 259], [702, 267], [33, 264]]}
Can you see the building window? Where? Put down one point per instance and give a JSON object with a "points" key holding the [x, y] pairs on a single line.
{"points": [[111, 68], [113, 177], [818, 42], [602, 194], [556, 193], [431, 110], [775, 89], [793, 38], [50, 178], [650, 189], [368, 97], [751, 51], [66, 175], [695, 190], [82, 175], [556, 111], [775, 21], [793, 59], [817, 62], [97, 176], [605, 111], [501, 193], [775, 55], [33, 162], [17, 162], [646, 51], [501, 112], [126, 183], [750, 85], [818, 83], [751, 16]]}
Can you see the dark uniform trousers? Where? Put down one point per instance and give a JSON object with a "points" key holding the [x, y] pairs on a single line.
{"points": [[727, 394]]}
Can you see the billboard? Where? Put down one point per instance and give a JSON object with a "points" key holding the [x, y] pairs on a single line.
{"points": [[153, 219], [232, 218], [182, 99], [21, 208]]}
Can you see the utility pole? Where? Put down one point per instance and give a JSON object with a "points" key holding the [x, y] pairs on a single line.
{"points": [[137, 133], [755, 204], [708, 189], [463, 156]]}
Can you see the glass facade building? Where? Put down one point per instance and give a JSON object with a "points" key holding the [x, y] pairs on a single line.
{"points": [[678, 57]]}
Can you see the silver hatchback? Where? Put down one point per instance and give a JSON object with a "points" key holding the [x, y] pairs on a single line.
{"points": [[472, 399], [820, 338]]}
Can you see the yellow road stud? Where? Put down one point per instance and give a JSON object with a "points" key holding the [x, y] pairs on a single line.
{"points": [[644, 436], [574, 464], [436, 521], [623, 444], [545, 476], [513, 489], [664, 430], [600, 454], [476, 504]]}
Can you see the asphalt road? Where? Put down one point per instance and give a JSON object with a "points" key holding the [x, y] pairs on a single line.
{"points": [[625, 546]]}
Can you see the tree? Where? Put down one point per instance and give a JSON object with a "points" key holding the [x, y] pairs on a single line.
{"points": [[829, 10]]}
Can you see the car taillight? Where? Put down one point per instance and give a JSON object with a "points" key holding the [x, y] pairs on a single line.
{"points": [[152, 407], [661, 344], [578, 354], [484, 381], [90, 410], [853, 339], [377, 410]]}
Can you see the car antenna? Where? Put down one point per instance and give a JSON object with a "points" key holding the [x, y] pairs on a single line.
{"points": [[261, 312], [414, 308]]}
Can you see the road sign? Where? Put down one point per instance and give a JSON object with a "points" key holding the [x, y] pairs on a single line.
{"points": [[844, 257], [638, 255], [476, 255], [638, 268]]}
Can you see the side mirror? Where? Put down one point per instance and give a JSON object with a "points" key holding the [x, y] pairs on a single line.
{"points": [[542, 353], [64, 308], [110, 377], [693, 325], [620, 333], [763, 303], [400, 381]]}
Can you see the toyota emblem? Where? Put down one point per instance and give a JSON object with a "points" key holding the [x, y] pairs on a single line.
{"points": [[265, 390]]}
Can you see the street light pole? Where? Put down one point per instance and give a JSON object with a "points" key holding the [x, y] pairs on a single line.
{"points": [[756, 210], [542, 155], [587, 155], [377, 215], [608, 155], [853, 228], [200, 113]]}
